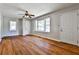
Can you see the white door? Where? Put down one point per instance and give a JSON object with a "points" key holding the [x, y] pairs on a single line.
{"points": [[78, 27], [26, 27], [68, 27], [0, 27], [20, 27]]}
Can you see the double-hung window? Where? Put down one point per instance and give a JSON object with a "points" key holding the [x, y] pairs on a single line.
{"points": [[12, 25], [42, 25]]}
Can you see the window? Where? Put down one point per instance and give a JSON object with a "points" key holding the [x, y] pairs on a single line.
{"points": [[47, 25], [12, 26], [42, 25]]}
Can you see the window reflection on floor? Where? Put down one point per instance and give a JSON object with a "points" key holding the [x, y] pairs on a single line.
{"points": [[40, 43]]}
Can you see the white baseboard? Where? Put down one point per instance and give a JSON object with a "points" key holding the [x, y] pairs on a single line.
{"points": [[47, 37]]}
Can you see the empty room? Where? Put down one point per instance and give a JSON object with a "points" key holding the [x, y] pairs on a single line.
{"points": [[39, 29]]}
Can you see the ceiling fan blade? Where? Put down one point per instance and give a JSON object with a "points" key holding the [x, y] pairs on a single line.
{"points": [[32, 15]]}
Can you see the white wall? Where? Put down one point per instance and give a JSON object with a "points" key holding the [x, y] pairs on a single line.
{"points": [[6, 26], [55, 24], [22, 26]]}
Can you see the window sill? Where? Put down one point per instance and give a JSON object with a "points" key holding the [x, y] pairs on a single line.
{"points": [[41, 32]]}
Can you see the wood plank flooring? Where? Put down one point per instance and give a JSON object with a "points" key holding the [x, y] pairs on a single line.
{"points": [[32, 45]]}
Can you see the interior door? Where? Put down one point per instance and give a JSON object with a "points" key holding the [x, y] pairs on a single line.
{"points": [[20, 27], [26, 27], [0, 27], [68, 27], [78, 27]]}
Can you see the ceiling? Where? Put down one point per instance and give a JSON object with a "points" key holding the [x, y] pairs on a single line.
{"points": [[14, 9]]}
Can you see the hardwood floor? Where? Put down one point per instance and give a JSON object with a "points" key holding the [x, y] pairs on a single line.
{"points": [[32, 45]]}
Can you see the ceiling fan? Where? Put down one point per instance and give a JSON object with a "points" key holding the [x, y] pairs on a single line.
{"points": [[27, 14]]}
